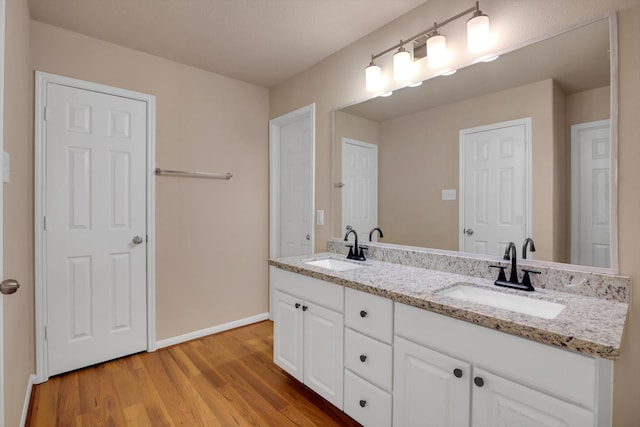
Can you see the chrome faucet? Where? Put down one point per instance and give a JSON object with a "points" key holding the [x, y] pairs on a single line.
{"points": [[532, 247], [510, 253], [355, 252], [374, 230]]}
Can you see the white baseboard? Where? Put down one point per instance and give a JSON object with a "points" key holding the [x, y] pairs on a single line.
{"points": [[27, 400], [213, 330]]}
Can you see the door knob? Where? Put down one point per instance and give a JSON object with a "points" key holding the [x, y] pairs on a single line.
{"points": [[308, 237], [9, 286], [469, 231], [137, 240]]}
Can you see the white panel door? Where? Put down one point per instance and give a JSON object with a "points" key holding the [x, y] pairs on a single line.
{"points": [[590, 194], [95, 227], [503, 403], [296, 219], [323, 352], [360, 186], [494, 189], [287, 334], [427, 390]]}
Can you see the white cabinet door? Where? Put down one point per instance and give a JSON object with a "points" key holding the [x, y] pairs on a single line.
{"points": [[503, 403], [323, 352], [287, 334], [427, 389]]}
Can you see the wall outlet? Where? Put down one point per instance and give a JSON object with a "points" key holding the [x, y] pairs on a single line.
{"points": [[320, 217], [448, 194]]}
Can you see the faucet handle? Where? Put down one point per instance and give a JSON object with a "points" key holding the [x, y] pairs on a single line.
{"points": [[361, 256], [526, 279], [501, 275], [350, 251]]}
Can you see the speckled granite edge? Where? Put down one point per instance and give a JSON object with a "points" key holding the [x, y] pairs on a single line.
{"points": [[607, 286], [588, 325]]}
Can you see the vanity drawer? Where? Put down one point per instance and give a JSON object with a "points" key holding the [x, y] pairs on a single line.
{"points": [[370, 314], [369, 358], [365, 402]]}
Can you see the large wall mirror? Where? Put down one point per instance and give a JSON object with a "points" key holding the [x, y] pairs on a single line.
{"points": [[414, 163]]}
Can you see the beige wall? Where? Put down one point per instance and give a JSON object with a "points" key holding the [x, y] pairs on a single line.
{"points": [[211, 234], [339, 81], [19, 348], [348, 126], [413, 173]]}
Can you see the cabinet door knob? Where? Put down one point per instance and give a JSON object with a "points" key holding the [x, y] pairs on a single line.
{"points": [[363, 313], [304, 308], [363, 358], [297, 305], [363, 403], [457, 373], [478, 381]]}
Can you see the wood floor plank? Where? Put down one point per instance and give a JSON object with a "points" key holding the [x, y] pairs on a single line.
{"points": [[228, 379]]}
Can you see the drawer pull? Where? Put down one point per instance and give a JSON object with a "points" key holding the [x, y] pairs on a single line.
{"points": [[478, 381], [363, 313], [363, 403], [297, 305], [363, 358], [304, 308], [457, 373]]}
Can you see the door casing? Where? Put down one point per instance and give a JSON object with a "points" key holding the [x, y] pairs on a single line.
{"points": [[42, 79]]}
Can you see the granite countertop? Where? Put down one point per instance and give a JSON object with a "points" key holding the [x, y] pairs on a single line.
{"points": [[588, 325]]}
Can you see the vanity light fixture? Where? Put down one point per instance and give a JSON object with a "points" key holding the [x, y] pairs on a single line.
{"points": [[448, 73], [436, 50], [478, 38], [415, 84], [402, 64], [373, 77], [386, 94]]}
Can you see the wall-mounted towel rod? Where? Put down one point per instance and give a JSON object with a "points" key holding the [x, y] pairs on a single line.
{"points": [[209, 175]]}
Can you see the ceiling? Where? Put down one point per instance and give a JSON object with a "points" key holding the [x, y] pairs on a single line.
{"points": [[577, 60], [263, 42]]}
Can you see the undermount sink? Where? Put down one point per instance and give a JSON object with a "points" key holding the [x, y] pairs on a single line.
{"points": [[520, 304], [334, 264]]}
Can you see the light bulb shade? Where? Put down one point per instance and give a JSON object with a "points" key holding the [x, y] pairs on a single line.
{"points": [[436, 51], [373, 78], [478, 33], [402, 65]]}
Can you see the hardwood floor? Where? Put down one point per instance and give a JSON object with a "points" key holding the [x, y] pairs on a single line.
{"points": [[227, 379]]}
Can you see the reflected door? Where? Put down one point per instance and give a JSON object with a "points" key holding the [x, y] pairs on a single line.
{"points": [[96, 281], [590, 194], [360, 186], [494, 187]]}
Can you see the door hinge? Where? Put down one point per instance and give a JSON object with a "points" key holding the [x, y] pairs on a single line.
{"points": [[44, 223], [46, 337], [45, 113]]}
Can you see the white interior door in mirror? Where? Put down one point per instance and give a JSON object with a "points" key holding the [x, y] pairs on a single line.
{"points": [[591, 194], [360, 186], [494, 186]]}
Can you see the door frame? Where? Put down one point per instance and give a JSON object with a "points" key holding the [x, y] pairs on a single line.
{"points": [[42, 79], [275, 125], [528, 172]]}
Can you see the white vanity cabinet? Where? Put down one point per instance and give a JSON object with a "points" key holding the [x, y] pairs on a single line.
{"points": [[309, 332], [368, 358], [453, 373]]}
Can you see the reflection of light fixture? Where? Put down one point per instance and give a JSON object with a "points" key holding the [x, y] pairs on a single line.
{"points": [[436, 50], [478, 39], [478, 31], [373, 77], [402, 64]]}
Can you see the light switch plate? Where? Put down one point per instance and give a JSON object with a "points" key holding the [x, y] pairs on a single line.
{"points": [[448, 194], [320, 217]]}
